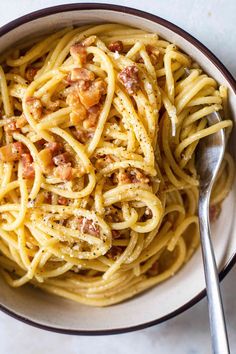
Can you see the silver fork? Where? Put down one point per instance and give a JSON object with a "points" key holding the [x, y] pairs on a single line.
{"points": [[209, 156]]}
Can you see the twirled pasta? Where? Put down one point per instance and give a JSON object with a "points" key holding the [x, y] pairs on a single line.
{"points": [[99, 190]]}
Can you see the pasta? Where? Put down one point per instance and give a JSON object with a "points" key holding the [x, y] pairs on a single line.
{"points": [[99, 190]]}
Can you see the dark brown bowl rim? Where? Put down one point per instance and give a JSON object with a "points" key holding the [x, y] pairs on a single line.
{"points": [[123, 9]]}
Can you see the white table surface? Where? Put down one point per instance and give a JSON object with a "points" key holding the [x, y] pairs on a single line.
{"points": [[214, 23]]}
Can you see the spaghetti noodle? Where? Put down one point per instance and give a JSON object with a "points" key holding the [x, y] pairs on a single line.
{"points": [[99, 190]]}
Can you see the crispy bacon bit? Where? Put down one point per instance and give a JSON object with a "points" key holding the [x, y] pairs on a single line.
{"points": [[115, 234], [40, 144], [129, 78], [28, 169], [93, 94], [67, 81], [140, 60], [54, 147], [48, 197], [10, 127], [82, 85], [122, 178], [52, 106], [64, 172], [153, 54], [78, 52], [100, 85], [93, 114], [214, 212], [80, 77], [45, 156], [79, 112], [83, 74], [132, 176], [62, 200], [88, 226], [112, 214], [30, 73], [11, 152], [116, 46], [104, 161], [62, 159], [21, 121], [82, 135], [114, 252], [137, 176], [75, 118], [154, 270], [14, 124], [35, 107]]}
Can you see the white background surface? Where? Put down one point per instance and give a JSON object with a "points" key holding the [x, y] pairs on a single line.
{"points": [[214, 23]]}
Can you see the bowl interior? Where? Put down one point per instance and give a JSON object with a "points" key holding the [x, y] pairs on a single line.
{"points": [[166, 298]]}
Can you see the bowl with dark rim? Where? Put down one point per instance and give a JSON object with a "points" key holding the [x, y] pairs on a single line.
{"points": [[187, 287]]}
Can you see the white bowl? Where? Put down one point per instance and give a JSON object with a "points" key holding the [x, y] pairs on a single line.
{"points": [[187, 286]]}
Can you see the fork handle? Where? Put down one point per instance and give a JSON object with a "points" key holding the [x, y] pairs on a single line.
{"points": [[219, 338]]}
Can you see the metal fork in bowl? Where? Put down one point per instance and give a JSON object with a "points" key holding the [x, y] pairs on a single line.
{"points": [[209, 156]]}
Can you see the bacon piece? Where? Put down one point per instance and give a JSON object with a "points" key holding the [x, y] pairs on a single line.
{"points": [[21, 121], [116, 46], [114, 252], [140, 60], [78, 74], [75, 118], [79, 113], [52, 106], [64, 172], [81, 77], [11, 152], [40, 143], [100, 85], [35, 107], [132, 176], [103, 161], [67, 80], [82, 135], [14, 124], [47, 197], [93, 114], [28, 168], [93, 94], [48, 154], [137, 176], [153, 53], [45, 157], [30, 73], [154, 270], [129, 78], [122, 178], [10, 127], [62, 200], [62, 159], [88, 226], [78, 52], [115, 234], [112, 214], [54, 147]]}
